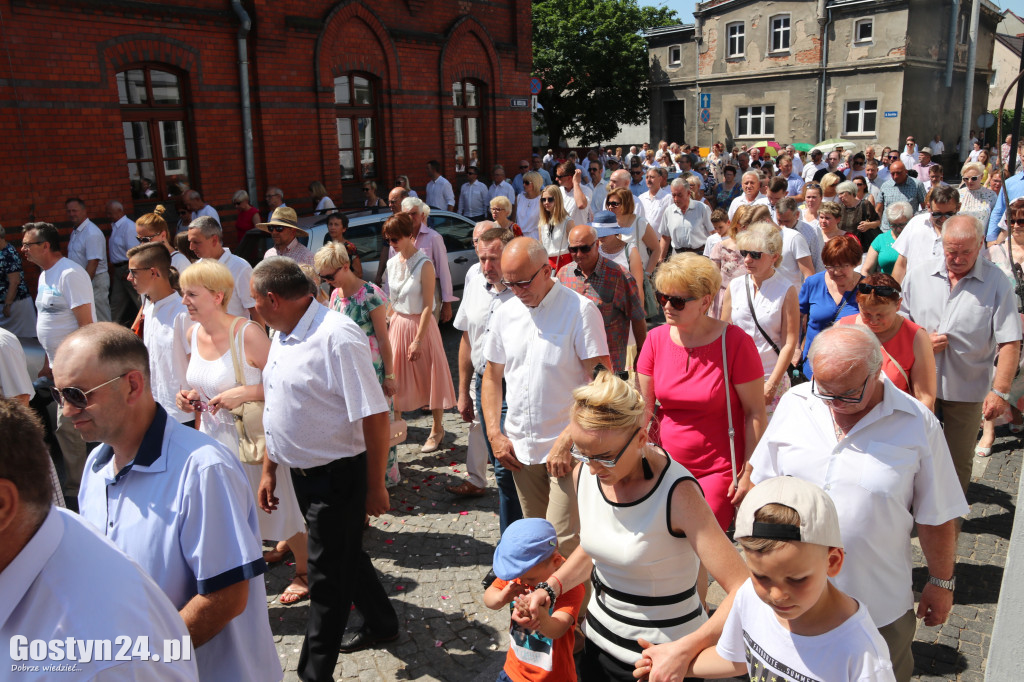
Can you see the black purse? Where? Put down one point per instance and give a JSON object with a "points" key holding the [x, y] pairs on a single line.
{"points": [[795, 374]]}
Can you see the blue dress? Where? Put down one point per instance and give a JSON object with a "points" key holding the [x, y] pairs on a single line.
{"points": [[822, 312]]}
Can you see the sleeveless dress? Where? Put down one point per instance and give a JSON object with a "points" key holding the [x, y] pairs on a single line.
{"points": [[428, 381], [645, 575], [211, 377], [767, 301]]}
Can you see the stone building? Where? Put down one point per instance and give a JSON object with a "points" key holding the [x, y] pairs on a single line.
{"points": [[806, 70]]}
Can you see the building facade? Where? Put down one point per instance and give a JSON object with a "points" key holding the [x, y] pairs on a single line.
{"points": [[807, 70], [106, 99]]}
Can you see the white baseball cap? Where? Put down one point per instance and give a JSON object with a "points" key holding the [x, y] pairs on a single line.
{"points": [[819, 522]]}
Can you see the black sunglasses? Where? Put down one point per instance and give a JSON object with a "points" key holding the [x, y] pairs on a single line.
{"points": [[583, 248], [879, 289], [613, 204], [145, 239], [76, 397], [523, 284], [276, 228], [678, 302], [756, 255], [936, 215]]}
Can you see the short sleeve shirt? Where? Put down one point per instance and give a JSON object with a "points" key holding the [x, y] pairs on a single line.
{"points": [[88, 243], [480, 301], [10, 263], [164, 333], [689, 230], [241, 271], [911, 191], [14, 379], [62, 288]]}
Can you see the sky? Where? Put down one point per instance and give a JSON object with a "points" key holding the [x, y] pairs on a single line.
{"points": [[683, 8]]}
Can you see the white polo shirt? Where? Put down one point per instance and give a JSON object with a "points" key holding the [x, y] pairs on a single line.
{"points": [[87, 243], [918, 241], [654, 207], [741, 200], [891, 470], [164, 333], [579, 216], [241, 271], [319, 384], [480, 300], [542, 350], [69, 581], [505, 189], [184, 511]]}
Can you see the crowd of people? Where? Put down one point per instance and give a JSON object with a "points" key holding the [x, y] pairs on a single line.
{"points": [[649, 341]]}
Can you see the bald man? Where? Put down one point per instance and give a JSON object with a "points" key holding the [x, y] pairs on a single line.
{"points": [[543, 342]]}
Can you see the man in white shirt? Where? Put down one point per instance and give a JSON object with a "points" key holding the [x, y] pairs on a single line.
{"points": [[275, 200], [439, 192], [14, 379], [473, 200], [88, 247], [543, 343], [874, 179], [194, 202], [627, 162], [685, 224], [327, 419], [880, 456], [598, 186], [124, 301], [500, 186], [921, 239], [938, 148], [205, 238], [59, 576], [164, 328], [656, 199], [64, 303], [575, 195], [751, 185], [813, 166], [788, 217], [910, 155]]}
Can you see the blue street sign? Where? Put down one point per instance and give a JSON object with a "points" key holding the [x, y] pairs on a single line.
{"points": [[534, 86], [705, 115], [891, 114], [705, 100]]}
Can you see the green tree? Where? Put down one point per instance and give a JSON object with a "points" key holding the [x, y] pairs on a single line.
{"points": [[592, 60]]}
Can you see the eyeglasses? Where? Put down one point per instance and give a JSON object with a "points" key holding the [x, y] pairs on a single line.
{"points": [[547, 200], [936, 215], [897, 226], [850, 400], [582, 248], [135, 271], [606, 463], [894, 157], [31, 243], [145, 239], [524, 168], [76, 397], [237, 203], [329, 277], [197, 405], [613, 204], [636, 172], [879, 289], [566, 175], [756, 255], [366, 189], [678, 302], [523, 284]]}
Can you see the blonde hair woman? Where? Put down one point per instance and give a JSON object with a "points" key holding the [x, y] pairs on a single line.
{"points": [[828, 186], [528, 205], [627, 488], [501, 209], [554, 225], [726, 255], [213, 391], [976, 199]]}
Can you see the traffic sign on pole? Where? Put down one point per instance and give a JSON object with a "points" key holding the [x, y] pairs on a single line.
{"points": [[705, 115], [705, 100], [535, 86]]}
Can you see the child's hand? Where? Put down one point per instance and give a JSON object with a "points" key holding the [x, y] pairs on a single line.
{"points": [[511, 592], [537, 602], [522, 616]]}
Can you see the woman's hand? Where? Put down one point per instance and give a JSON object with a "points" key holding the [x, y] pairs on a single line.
{"points": [[770, 389], [414, 351], [7, 309], [390, 387], [228, 400], [185, 398]]}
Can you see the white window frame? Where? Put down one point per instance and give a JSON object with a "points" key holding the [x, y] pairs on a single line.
{"points": [[784, 32], [741, 36], [761, 115], [678, 61], [862, 109], [870, 21]]}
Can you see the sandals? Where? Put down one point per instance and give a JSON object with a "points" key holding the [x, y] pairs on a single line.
{"points": [[295, 593], [982, 452], [433, 443]]}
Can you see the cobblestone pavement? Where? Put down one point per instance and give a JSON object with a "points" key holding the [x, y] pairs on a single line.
{"points": [[432, 551]]}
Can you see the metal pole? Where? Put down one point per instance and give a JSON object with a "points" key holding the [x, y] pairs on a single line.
{"points": [[1015, 129], [972, 58], [951, 43]]}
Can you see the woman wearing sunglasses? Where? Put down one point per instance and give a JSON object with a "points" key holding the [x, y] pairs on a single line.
{"points": [[763, 303], [907, 356], [622, 203], [644, 569], [213, 391], [726, 254], [976, 199], [827, 296], [554, 225], [420, 366], [528, 205], [501, 210], [681, 368]]}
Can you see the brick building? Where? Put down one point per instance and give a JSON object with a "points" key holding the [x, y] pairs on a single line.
{"points": [[99, 95]]}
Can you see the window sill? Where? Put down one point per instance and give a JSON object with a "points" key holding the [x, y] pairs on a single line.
{"points": [[736, 57], [780, 53]]}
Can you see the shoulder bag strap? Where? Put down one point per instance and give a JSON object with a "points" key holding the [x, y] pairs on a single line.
{"points": [[750, 304], [234, 352], [894, 361], [728, 407]]}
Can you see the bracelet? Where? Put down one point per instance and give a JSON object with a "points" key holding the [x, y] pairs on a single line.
{"points": [[547, 588], [1004, 396], [389, 376], [561, 589]]}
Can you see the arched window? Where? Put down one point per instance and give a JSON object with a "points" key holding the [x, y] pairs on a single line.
{"points": [[154, 118], [355, 103], [467, 98]]}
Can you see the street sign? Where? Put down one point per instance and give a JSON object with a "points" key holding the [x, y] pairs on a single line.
{"points": [[892, 114], [534, 86], [986, 120], [519, 103], [705, 115], [705, 100]]}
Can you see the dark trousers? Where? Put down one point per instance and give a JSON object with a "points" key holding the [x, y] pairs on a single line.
{"points": [[509, 509], [333, 500], [124, 300]]}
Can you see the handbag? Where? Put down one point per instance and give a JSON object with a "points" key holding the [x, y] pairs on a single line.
{"points": [[796, 376], [398, 432], [252, 443], [650, 299]]}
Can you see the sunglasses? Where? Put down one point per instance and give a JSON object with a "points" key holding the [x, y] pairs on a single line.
{"points": [[894, 158], [613, 204], [146, 239], [936, 215], [606, 463], [76, 397], [237, 203], [327, 277], [678, 302], [879, 289], [547, 200], [636, 173], [523, 284], [583, 248], [973, 178], [524, 168], [756, 255], [392, 240]]}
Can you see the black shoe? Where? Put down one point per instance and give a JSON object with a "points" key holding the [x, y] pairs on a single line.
{"points": [[363, 639], [488, 579]]}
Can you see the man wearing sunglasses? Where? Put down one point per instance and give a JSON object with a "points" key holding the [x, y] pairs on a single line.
{"points": [[880, 456], [637, 184], [543, 343], [921, 239], [64, 303], [284, 228], [173, 499], [576, 196], [608, 285], [205, 238], [969, 309]]}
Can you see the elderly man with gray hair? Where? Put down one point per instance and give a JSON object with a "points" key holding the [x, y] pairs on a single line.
{"points": [[968, 307], [685, 224], [880, 456], [206, 239]]}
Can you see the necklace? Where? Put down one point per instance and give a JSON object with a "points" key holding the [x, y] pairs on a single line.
{"points": [[840, 434]]}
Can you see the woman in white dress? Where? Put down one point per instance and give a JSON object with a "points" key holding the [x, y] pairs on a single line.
{"points": [[528, 205], [554, 226], [213, 392]]}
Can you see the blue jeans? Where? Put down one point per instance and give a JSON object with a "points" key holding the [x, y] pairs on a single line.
{"points": [[508, 499]]}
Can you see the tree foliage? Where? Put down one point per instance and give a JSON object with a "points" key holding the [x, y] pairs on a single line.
{"points": [[592, 60]]}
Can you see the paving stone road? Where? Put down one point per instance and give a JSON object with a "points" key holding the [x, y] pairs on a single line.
{"points": [[432, 552]]}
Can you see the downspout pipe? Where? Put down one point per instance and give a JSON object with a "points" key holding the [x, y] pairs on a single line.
{"points": [[972, 58], [244, 26], [697, 42], [951, 43], [824, 19]]}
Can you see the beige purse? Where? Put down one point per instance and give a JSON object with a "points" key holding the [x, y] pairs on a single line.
{"points": [[249, 415], [399, 431]]}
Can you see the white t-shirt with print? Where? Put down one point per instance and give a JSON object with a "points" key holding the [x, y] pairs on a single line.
{"points": [[62, 288]]}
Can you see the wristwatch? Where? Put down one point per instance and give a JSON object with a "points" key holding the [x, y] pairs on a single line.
{"points": [[944, 584], [1004, 396]]}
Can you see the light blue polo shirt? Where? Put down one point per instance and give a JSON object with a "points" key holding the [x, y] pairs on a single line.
{"points": [[184, 511]]}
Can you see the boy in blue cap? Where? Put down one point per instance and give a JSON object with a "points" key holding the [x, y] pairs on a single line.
{"points": [[539, 649]]}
